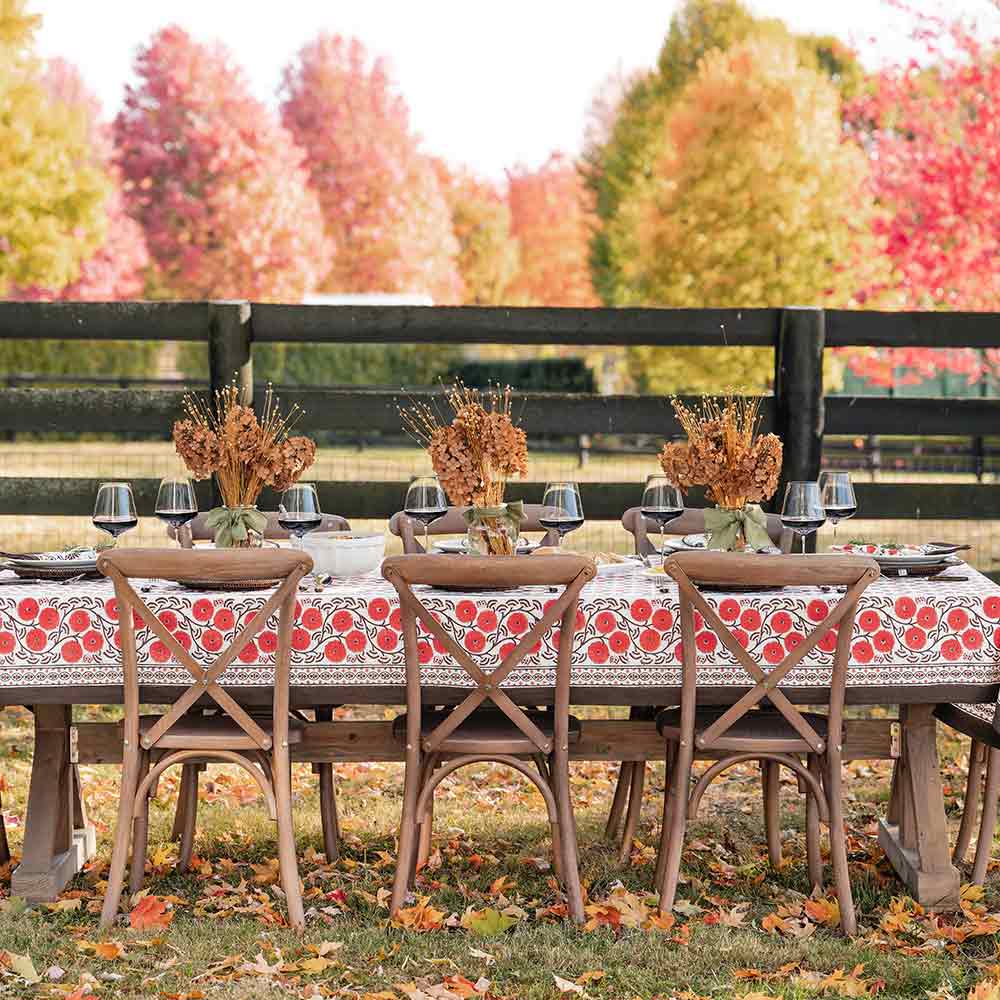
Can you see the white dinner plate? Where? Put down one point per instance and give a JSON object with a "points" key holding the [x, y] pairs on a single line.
{"points": [[453, 546]]}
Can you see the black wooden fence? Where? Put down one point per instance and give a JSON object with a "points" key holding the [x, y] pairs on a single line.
{"points": [[797, 411]]}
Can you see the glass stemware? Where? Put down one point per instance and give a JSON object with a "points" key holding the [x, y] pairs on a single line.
{"points": [[562, 508], [425, 502], [662, 502], [299, 511], [176, 504], [839, 501], [802, 511], [114, 509]]}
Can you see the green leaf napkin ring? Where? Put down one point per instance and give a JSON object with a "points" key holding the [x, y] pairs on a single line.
{"points": [[724, 527], [232, 525]]}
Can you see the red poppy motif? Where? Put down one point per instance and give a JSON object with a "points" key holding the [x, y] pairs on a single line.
{"points": [[93, 641], [211, 640], [465, 611], [438, 645], [267, 640], [991, 606], [781, 622], [906, 608], [505, 650], [884, 641], [598, 652], [182, 637], [699, 622], [972, 639], [342, 620], [474, 642], [312, 619], [773, 652], [706, 642], [618, 641], [72, 652], [869, 621], [605, 622], [817, 610], [111, 608], [202, 609], [487, 621], [424, 652], [927, 617], [862, 652], [793, 640], [957, 619], [6, 643], [915, 638], [378, 608], [663, 619], [300, 639], [27, 609], [158, 651], [334, 651], [750, 619], [224, 619], [649, 639], [828, 643], [516, 622], [396, 620], [729, 610], [35, 640], [741, 637], [356, 641], [641, 609], [951, 649], [249, 653], [48, 618]]}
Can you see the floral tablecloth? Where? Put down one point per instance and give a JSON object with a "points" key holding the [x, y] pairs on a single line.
{"points": [[907, 632]]}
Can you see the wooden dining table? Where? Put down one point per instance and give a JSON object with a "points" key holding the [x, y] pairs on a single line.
{"points": [[917, 643]]}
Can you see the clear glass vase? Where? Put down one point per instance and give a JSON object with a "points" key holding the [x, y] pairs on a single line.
{"points": [[492, 534]]}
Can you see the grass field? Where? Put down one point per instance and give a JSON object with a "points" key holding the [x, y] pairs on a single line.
{"points": [[486, 921]]}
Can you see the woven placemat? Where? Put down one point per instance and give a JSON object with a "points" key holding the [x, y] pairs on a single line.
{"points": [[229, 585]]}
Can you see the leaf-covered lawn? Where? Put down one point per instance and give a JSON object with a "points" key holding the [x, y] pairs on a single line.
{"points": [[487, 920]]}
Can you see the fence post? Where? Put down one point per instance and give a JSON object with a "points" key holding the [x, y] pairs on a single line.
{"points": [[229, 348], [798, 394]]}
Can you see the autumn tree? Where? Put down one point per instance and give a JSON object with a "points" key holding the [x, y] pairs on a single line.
{"points": [[551, 220], [51, 194], [380, 196], [217, 184], [753, 200]]}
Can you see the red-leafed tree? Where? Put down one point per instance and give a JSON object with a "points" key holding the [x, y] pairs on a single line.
{"points": [[116, 270], [217, 184], [933, 136], [551, 219], [381, 200]]}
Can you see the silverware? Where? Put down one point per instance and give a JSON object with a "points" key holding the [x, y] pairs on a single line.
{"points": [[73, 579]]}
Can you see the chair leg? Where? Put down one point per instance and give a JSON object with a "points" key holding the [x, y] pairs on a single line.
{"points": [[618, 802], [813, 852], [123, 832], [987, 825], [287, 864], [567, 836], [189, 774], [407, 836], [634, 812], [679, 791], [770, 779], [838, 845], [140, 835], [189, 806], [977, 757], [4, 846], [661, 851], [328, 812]]}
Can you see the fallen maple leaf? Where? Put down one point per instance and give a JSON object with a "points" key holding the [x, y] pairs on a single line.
{"points": [[421, 917], [150, 913], [487, 923], [823, 911]]}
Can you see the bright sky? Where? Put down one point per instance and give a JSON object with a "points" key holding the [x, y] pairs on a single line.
{"points": [[489, 84]]}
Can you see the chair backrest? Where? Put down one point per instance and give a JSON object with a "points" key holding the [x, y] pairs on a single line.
{"points": [[196, 530], [689, 569], [215, 566], [691, 522], [473, 573], [453, 523]]}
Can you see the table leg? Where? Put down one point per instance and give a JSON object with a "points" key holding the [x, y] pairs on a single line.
{"points": [[58, 840], [914, 834]]}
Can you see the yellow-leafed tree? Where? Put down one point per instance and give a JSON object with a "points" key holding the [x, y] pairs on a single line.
{"points": [[754, 200], [51, 194]]}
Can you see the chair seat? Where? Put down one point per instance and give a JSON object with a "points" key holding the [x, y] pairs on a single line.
{"points": [[214, 732], [485, 731], [759, 729]]}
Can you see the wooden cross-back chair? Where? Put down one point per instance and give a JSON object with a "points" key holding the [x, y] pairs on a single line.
{"points": [[487, 725], [4, 846], [187, 801], [453, 523], [762, 724], [259, 746]]}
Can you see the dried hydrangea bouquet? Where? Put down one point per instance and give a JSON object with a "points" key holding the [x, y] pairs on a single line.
{"points": [[474, 454], [224, 438], [738, 466]]}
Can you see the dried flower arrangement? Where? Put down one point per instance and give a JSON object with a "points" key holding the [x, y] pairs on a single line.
{"points": [[475, 452], [726, 453], [225, 438]]}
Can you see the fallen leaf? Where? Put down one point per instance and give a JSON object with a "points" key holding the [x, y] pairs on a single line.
{"points": [[421, 917], [566, 986], [150, 913], [486, 923]]}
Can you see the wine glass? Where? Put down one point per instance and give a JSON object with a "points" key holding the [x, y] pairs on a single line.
{"points": [[562, 508], [175, 503], [662, 502], [114, 509], [425, 502], [802, 511], [839, 501], [299, 511]]}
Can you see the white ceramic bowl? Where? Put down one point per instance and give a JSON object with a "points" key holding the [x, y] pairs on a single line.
{"points": [[344, 553]]}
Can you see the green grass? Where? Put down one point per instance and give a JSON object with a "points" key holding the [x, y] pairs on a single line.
{"points": [[488, 826]]}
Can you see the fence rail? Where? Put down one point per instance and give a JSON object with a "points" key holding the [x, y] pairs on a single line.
{"points": [[798, 410]]}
